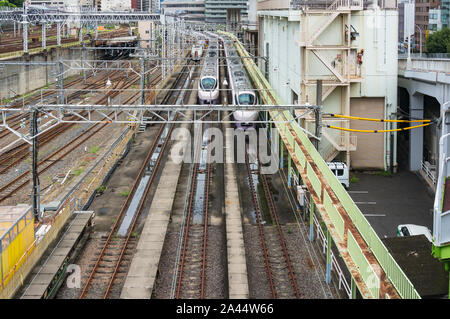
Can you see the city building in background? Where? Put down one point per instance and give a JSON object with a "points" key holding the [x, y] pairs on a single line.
{"points": [[421, 20], [435, 20], [405, 21], [190, 11], [216, 10]]}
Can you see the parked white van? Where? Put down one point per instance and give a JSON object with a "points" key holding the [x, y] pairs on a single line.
{"points": [[413, 230], [340, 170]]}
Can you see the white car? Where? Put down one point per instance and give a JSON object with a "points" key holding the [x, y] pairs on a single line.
{"points": [[340, 170], [413, 230]]}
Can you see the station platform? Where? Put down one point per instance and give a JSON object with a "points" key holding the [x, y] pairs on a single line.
{"points": [[49, 276], [237, 264], [142, 273]]}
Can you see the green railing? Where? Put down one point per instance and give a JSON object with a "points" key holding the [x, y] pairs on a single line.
{"points": [[393, 271], [335, 217], [367, 273]]}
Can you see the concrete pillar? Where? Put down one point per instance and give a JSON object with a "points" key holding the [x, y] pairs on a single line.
{"points": [[415, 135]]}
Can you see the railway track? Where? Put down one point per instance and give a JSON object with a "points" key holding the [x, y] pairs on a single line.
{"points": [[15, 121], [11, 43], [280, 273], [96, 286], [23, 179], [192, 264]]}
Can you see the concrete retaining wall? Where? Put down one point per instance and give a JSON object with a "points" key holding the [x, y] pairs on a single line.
{"points": [[16, 80]]}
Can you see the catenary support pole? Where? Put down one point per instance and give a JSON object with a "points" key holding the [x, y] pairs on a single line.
{"points": [[311, 219], [35, 198], [328, 269], [44, 36], [318, 114]]}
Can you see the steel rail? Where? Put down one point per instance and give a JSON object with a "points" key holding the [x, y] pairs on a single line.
{"points": [[15, 180], [125, 206], [280, 232], [261, 232]]}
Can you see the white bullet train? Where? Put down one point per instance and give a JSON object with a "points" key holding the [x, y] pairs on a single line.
{"points": [[241, 87], [208, 84], [197, 52]]}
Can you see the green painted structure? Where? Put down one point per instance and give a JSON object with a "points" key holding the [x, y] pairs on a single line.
{"points": [[374, 271]]}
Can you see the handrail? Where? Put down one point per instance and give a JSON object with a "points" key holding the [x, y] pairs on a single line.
{"points": [[376, 247]]}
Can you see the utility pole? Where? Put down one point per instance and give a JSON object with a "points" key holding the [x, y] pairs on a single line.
{"points": [[83, 58], [318, 114], [25, 27], [35, 198], [142, 74], [44, 36], [61, 81]]}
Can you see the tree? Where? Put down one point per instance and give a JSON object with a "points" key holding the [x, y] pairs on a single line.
{"points": [[17, 3], [439, 41], [5, 3]]}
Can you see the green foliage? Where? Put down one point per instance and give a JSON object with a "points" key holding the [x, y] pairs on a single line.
{"points": [[101, 189], [17, 3], [94, 150], [79, 171], [125, 193], [439, 41], [5, 3], [354, 179], [383, 173]]}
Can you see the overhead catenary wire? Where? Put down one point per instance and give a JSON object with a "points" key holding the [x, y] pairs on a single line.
{"points": [[377, 131], [377, 120]]}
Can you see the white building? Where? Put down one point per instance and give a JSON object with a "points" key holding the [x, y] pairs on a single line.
{"points": [[352, 48], [435, 20], [115, 5], [406, 18]]}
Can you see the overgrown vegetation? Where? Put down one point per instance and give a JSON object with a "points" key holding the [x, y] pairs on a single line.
{"points": [[125, 193], [354, 179], [94, 150], [383, 173], [101, 189], [78, 171]]}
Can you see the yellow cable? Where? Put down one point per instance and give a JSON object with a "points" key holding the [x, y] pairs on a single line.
{"points": [[376, 131], [375, 120]]}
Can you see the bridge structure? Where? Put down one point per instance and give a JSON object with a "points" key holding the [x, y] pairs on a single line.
{"points": [[423, 76], [428, 75], [374, 272], [48, 15]]}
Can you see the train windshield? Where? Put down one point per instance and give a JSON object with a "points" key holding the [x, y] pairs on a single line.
{"points": [[246, 99], [208, 83]]}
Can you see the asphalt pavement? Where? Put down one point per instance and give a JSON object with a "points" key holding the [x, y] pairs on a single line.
{"points": [[388, 201]]}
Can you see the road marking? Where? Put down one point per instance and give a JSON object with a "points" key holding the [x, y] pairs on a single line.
{"points": [[358, 192], [366, 203], [375, 215]]}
